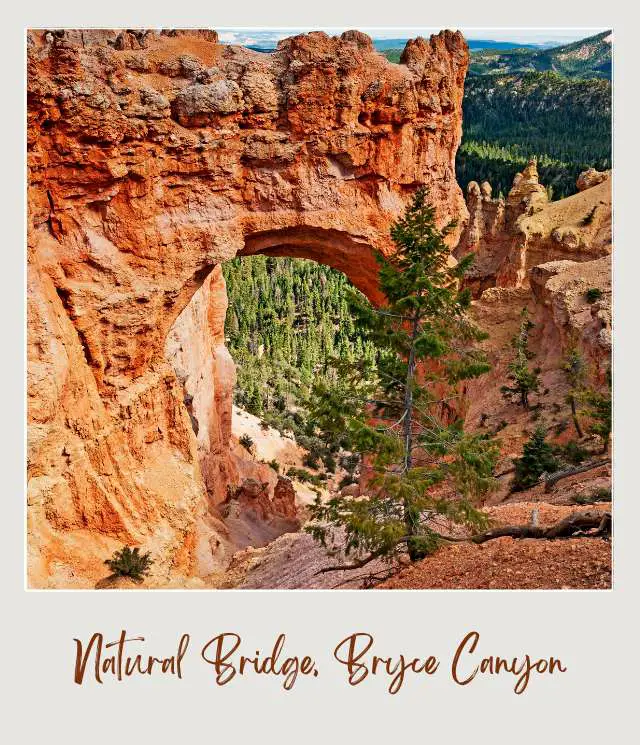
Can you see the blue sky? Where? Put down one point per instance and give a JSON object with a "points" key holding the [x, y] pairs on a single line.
{"points": [[523, 36]]}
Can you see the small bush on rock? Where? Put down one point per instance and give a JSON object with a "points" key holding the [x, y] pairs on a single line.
{"points": [[130, 563], [246, 441]]}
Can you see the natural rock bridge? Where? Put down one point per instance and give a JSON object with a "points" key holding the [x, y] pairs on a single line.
{"points": [[153, 157]]}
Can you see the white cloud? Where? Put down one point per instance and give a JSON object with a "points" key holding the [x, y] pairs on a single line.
{"points": [[229, 37]]}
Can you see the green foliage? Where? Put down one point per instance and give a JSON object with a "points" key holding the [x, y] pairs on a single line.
{"points": [[601, 494], [130, 563], [593, 294], [575, 371], [538, 457], [574, 368], [572, 453], [512, 119], [384, 410], [524, 380], [285, 318], [597, 407], [246, 441], [310, 461], [301, 474]]}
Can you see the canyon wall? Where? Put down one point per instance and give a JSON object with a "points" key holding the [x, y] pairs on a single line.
{"points": [[152, 158], [543, 256]]}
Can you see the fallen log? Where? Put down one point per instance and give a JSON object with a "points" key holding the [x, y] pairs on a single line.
{"points": [[591, 524], [553, 478]]}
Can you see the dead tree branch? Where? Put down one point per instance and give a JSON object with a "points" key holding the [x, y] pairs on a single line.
{"points": [[553, 478]]}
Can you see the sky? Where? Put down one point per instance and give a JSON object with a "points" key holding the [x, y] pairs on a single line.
{"points": [[522, 36]]}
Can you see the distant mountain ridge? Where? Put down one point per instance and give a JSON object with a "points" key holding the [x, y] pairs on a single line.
{"points": [[587, 58], [474, 44]]}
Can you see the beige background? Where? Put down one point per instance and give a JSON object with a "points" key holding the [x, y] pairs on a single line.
{"points": [[592, 632]]}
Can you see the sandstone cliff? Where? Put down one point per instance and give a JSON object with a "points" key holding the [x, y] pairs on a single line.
{"points": [[153, 157]]}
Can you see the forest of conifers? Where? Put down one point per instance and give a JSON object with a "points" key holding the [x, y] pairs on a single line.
{"points": [[508, 119]]}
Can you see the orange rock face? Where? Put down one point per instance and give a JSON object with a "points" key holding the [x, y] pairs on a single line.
{"points": [[152, 158], [543, 256], [510, 237]]}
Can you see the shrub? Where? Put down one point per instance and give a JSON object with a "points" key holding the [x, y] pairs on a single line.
{"points": [[598, 495], [275, 465], [310, 460], [573, 453], [300, 474], [593, 294], [130, 563], [246, 441], [350, 462], [329, 463], [537, 458]]}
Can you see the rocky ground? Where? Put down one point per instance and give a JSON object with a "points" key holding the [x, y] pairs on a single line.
{"points": [[508, 564], [295, 561]]}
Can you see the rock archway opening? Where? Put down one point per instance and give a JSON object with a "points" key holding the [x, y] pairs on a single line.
{"points": [[260, 330], [255, 336], [334, 248]]}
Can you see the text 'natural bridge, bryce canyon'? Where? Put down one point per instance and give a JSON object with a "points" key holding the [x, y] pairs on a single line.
{"points": [[153, 157]]}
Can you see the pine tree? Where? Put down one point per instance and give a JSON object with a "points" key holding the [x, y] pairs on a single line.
{"points": [[391, 412], [575, 371], [598, 409], [524, 380], [538, 457]]}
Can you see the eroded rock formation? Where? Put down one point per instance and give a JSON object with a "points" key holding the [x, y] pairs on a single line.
{"points": [[545, 257], [153, 157], [509, 237]]}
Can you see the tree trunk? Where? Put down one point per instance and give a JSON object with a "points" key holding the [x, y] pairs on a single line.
{"points": [[410, 518], [553, 479], [574, 415], [591, 524], [578, 522]]}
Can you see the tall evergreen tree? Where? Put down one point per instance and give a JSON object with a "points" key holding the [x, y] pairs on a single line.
{"points": [[392, 412], [537, 458], [598, 409]]}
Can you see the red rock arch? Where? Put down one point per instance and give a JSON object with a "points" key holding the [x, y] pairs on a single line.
{"points": [[152, 158]]}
